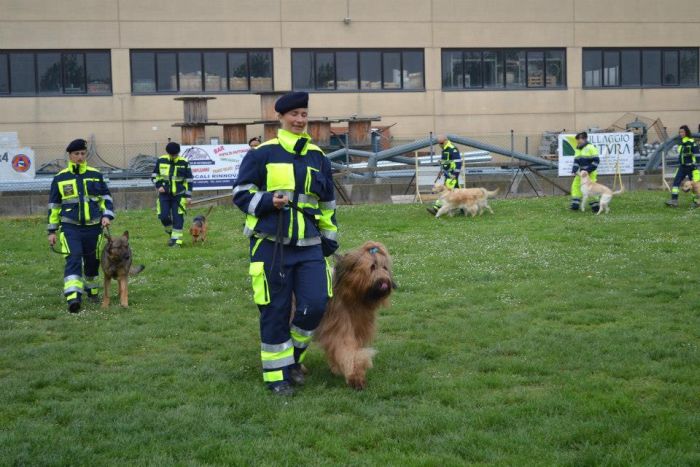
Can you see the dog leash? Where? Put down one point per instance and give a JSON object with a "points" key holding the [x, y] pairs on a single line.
{"points": [[105, 232]]}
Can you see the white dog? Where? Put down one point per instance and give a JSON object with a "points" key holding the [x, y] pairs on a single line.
{"points": [[591, 188]]}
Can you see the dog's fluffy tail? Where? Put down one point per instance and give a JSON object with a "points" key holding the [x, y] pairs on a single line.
{"points": [[134, 270], [490, 194], [621, 190]]}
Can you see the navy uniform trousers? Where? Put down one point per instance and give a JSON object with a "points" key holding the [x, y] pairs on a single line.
{"points": [[81, 245], [171, 212], [301, 271]]}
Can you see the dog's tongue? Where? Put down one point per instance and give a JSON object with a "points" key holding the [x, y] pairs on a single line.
{"points": [[384, 286]]}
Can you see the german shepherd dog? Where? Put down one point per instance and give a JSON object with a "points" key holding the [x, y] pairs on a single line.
{"points": [[362, 283], [116, 264], [199, 226]]}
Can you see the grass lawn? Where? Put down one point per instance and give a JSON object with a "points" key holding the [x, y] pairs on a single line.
{"points": [[532, 336]]}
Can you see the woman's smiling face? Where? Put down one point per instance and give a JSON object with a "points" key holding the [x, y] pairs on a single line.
{"points": [[295, 120]]}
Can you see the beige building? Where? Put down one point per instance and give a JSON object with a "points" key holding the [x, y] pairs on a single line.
{"points": [[112, 67]]}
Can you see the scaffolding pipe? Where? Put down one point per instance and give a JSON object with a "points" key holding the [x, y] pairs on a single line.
{"points": [[655, 158], [499, 150]]}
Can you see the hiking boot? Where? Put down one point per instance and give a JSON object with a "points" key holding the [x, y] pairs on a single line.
{"points": [[672, 202], [296, 374], [74, 306], [94, 298], [172, 242], [695, 205], [431, 210], [283, 388]]}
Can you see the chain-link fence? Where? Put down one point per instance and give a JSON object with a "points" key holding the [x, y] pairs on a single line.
{"points": [[132, 160], [135, 160]]}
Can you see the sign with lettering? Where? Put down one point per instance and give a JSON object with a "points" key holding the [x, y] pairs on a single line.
{"points": [[614, 149], [215, 166]]}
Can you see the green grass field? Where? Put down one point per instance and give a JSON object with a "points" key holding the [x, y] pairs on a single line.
{"points": [[532, 336]]}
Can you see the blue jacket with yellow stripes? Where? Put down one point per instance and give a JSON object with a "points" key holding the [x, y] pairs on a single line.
{"points": [[290, 165], [173, 174], [451, 158], [586, 158], [688, 152], [79, 196]]}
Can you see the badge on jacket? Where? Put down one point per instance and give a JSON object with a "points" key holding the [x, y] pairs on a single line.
{"points": [[68, 190]]}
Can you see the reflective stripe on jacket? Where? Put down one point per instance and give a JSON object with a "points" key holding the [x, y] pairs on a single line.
{"points": [[289, 165], [173, 174], [79, 196]]}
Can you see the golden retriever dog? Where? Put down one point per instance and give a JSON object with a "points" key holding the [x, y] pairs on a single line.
{"points": [[472, 200], [688, 185], [591, 188], [362, 283]]}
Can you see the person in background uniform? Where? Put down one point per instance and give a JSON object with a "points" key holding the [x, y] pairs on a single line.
{"points": [[254, 142], [687, 159], [586, 157], [451, 166], [173, 179], [287, 247], [80, 205]]}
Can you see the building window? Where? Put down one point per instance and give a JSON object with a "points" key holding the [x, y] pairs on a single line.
{"points": [[640, 68], [200, 71], [503, 69], [55, 73], [352, 70]]}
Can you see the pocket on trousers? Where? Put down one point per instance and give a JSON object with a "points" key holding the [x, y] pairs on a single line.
{"points": [[261, 289]]}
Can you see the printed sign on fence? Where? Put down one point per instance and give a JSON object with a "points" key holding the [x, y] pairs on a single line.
{"points": [[613, 148], [215, 167], [16, 164]]}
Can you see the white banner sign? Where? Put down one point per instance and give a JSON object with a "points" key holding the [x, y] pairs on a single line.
{"points": [[17, 164], [215, 167], [613, 148]]}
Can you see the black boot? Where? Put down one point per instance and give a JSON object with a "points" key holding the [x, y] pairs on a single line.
{"points": [[74, 305], [297, 375], [431, 210], [283, 388]]}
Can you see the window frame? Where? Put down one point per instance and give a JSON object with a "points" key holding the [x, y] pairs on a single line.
{"points": [[61, 53], [201, 52], [641, 85], [358, 51], [501, 53]]}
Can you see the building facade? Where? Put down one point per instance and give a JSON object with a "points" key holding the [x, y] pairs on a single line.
{"points": [[112, 67]]}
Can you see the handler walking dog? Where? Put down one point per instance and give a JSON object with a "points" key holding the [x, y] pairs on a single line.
{"points": [[285, 187], [80, 204]]}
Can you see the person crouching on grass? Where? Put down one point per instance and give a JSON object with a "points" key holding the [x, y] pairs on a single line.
{"points": [[80, 205], [586, 157], [285, 187], [173, 179]]}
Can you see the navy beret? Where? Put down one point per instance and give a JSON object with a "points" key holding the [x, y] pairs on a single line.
{"points": [[172, 148], [583, 134], [291, 101], [77, 145]]}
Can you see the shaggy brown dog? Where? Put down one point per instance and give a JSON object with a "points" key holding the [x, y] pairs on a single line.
{"points": [[116, 264], [362, 283], [199, 227]]}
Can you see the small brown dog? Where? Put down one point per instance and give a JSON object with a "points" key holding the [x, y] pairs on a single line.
{"points": [[199, 226], [362, 283], [116, 264], [472, 200]]}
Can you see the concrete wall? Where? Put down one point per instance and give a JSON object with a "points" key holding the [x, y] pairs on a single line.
{"points": [[281, 25]]}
